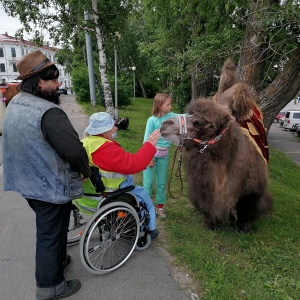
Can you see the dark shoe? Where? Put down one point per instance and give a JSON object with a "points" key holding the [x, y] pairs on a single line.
{"points": [[67, 261], [154, 233], [73, 286]]}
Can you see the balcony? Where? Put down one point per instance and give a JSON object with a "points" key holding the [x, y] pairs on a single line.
{"points": [[12, 59]]}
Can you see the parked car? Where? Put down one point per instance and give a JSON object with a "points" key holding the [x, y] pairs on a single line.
{"points": [[298, 131], [291, 117], [279, 116], [295, 127], [62, 90]]}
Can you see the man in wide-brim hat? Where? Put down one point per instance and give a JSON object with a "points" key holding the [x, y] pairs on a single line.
{"points": [[43, 160]]}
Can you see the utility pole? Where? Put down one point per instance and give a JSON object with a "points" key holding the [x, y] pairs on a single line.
{"points": [[117, 36], [89, 52], [133, 71]]}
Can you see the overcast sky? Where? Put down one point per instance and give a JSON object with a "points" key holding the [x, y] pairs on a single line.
{"points": [[8, 24], [11, 25]]}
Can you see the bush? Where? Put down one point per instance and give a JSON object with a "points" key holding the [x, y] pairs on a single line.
{"points": [[80, 83], [150, 87], [125, 89]]}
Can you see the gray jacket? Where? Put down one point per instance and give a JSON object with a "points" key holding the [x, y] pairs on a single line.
{"points": [[31, 166]]}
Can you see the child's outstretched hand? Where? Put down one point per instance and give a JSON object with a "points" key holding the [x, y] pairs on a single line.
{"points": [[154, 136]]}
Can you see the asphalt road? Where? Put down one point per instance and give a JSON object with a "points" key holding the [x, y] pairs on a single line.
{"points": [[285, 141]]}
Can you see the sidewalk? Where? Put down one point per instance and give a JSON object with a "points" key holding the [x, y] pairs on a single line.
{"points": [[75, 113], [146, 275]]}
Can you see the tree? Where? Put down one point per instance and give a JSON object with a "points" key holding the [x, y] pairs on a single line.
{"points": [[180, 46], [63, 19], [270, 56], [191, 40]]}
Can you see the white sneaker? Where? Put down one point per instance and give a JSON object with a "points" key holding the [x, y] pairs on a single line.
{"points": [[161, 213]]}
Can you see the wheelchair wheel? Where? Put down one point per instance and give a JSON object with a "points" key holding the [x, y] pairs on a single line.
{"points": [[144, 242], [109, 238], [76, 226]]}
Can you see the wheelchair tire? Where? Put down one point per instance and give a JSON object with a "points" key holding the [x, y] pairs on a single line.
{"points": [[143, 243], [77, 222], [109, 238]]}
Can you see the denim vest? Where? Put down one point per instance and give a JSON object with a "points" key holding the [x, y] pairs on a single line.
{"points": [[31, 166]]}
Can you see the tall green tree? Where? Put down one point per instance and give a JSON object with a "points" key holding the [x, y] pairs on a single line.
{"points": [[270, 55], [191, 40], [64, 19], [180, 46]]}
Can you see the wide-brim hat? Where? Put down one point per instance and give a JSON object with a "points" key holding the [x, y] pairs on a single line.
{"points": [[99, 123], [32, 64]]}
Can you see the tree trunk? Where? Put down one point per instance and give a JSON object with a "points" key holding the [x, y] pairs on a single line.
{"points": [[102, 62], [142, 88], [282, 90], [254, 50], [251, 68]]}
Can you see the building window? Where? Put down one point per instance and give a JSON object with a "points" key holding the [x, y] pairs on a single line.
{"points": [[1, 52], [13, 52], [22, 51], [2, 67], [15, 68]]}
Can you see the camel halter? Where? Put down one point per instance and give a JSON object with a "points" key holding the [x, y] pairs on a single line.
{"points": [[183, 136]]}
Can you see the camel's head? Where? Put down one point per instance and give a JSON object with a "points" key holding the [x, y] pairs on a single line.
{"points": [[174, 128], [206, 119]]}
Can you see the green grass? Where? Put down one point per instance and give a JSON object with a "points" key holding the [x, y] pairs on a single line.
{"points": [[226, 264]]}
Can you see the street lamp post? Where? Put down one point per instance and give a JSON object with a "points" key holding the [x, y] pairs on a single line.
{"points": [[116, 38], [133, 71]]}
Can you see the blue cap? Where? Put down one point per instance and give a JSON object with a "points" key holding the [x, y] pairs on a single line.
{"points": [[99, 123]]}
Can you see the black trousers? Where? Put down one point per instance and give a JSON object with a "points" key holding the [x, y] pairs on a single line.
{"points": [[52, 222]]}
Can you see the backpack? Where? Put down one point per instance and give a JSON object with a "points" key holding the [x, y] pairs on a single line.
{"points": [[123, 123]]}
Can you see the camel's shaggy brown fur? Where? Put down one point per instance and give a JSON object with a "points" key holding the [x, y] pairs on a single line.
{"points": [[241, 100], [228, 182], [9, 92], [239, 96], [228, 78]]}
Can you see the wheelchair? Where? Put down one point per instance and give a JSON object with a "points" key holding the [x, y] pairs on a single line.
{"points": [[108, 226]]}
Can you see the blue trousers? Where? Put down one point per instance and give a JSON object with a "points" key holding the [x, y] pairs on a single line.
{"points": [[142, 196], [160, 172], [52, 222]]}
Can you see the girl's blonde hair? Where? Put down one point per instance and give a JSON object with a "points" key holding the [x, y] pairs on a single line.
{"points": [[159, 100]]}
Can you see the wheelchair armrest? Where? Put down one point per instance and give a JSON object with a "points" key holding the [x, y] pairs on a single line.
{"points": [[92, 194], [119, 192]]}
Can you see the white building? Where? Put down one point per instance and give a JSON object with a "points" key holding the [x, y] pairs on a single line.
{"points": [[11, 51]]}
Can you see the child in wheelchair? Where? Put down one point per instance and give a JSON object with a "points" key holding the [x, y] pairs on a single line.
{"points": [[115, 165]]}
